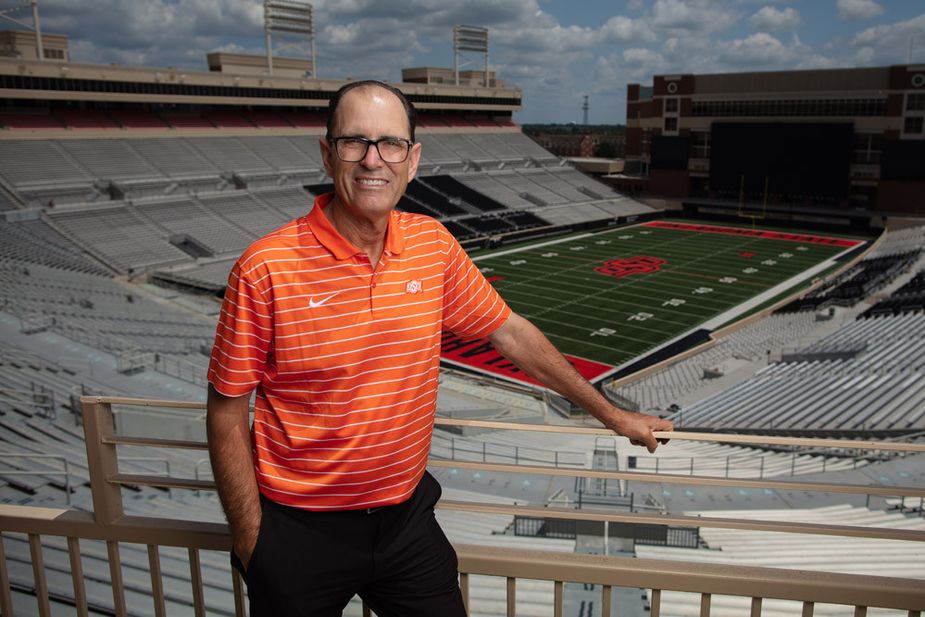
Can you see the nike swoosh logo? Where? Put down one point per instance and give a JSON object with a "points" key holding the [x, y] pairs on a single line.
{"points": [[312, 303]]}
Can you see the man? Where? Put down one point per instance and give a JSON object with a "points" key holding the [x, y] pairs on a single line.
{"points": [[335, 319]]}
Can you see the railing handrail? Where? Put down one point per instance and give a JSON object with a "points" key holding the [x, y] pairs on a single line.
{"points": [[857, 444], [706, 578]]}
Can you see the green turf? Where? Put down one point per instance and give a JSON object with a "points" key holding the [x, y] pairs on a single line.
{"points": [[613, 320]]}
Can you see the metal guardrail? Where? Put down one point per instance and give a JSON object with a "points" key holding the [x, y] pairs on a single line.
{"points": [[110, 523]]}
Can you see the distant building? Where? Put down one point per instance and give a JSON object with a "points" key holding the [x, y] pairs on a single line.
{"points": [[255, 64], [434, 75], [842, 138], [21, 44], [568, 144], [583, 145]]}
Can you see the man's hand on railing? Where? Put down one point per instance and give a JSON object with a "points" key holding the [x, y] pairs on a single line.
{"points": [[639, 428]]}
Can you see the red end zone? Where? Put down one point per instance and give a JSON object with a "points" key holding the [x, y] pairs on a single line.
{"points": [[479, 354], [755, 233]]}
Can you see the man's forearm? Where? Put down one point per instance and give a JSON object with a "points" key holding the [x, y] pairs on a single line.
{"points": [[233, 468], [523, 344], [532, 352]]}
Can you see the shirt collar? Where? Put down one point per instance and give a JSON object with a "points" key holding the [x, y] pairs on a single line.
{"points": [[339, 246]]}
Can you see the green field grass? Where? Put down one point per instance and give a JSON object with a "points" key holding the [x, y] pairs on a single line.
{"points": [[615, 319]]}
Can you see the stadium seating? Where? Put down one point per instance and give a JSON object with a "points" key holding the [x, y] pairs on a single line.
{"points": [[880, 389], [452, 188], [29, 121], [227, 119], [119, 235], [85, 119], [137, 119], [863, 556], [266, 119]]}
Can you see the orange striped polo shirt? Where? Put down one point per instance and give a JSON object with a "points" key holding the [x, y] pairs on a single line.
{"points": [[344, 356]]}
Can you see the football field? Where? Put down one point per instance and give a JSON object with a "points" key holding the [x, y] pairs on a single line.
{"points": [[608, 298]]}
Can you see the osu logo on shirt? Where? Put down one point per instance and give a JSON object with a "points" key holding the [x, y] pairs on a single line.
{"points": [[627, 266]]}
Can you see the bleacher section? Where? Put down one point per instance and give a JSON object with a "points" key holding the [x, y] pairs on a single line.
{"points": [[811, 553], [35, 242], [120, 236], [861, 281], [881, 388]]}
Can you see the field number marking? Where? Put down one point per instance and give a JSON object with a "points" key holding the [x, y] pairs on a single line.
{"points": [[674, 302], [703, 290], [550, 254], [768, 262], [518, 262], [640, 316], [603, 332], [750, 270], [728, 280]]}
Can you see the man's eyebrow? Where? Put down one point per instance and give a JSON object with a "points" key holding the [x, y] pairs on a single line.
{"points": [[384, 137]]}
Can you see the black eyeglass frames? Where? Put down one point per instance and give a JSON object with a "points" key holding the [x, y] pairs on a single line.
{"points": [[353, 149]]}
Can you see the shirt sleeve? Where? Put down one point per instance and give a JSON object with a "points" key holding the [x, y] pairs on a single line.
{"points": [[243, 337], [471, 306]]}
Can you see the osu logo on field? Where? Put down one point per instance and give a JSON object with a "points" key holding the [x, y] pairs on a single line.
{"points": [[641, 264]]}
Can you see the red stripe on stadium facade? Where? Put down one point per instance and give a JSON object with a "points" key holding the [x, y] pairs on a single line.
{"points": [[755, 233], [479, 354]]}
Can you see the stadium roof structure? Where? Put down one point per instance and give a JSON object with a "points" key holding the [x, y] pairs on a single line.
{"points": [[24, 79]]}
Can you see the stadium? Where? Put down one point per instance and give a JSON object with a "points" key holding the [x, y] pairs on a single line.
{"points": [[777, 322]]}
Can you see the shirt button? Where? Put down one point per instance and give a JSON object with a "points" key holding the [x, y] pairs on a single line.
{"points": [[373, 285]]}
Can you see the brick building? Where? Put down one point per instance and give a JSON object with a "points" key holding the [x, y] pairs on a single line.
{"points": [[842, 138]]}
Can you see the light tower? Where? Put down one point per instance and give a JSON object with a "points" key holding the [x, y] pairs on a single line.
{"points": [[469, 39], [36, 24], [584, 109], [291, 17]]}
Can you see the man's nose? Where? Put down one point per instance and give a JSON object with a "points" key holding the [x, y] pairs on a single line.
{"points": [[372, 159]]}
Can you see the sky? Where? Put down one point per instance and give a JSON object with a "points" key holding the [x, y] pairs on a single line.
{"points": [[556, 51]]}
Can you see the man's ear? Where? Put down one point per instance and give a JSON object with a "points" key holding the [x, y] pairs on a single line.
{"points": [[327, 152], [415, 158]]}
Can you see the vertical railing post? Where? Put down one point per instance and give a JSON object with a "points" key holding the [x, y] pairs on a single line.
{"points": [[77, 577], [6, 598], [558, 595], [511, 596], [38, 571], [101, 460]]}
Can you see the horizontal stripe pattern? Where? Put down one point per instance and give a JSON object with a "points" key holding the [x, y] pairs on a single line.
{"points": [[344, 356]]}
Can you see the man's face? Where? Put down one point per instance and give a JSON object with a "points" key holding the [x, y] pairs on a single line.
{"points": [[370, 188]]}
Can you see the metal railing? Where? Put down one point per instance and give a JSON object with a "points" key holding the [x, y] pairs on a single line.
{"points": [[110, 524]]}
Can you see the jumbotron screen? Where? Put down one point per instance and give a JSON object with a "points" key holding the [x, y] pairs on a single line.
{"points": [[794, 159]]}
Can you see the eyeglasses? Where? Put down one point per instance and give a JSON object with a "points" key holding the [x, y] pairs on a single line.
{"points": [[353, 149]]}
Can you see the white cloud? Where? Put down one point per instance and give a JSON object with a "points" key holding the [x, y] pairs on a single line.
{"points": [[770, 19], [891, 43], [693, 15], [858, 9], [760, 49]]}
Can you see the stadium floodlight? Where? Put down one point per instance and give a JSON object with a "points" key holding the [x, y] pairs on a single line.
{"points": [[291, 17], [469, 39], [36, 24]]}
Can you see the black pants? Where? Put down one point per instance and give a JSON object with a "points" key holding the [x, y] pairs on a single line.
{"points": [[309, 564]]}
